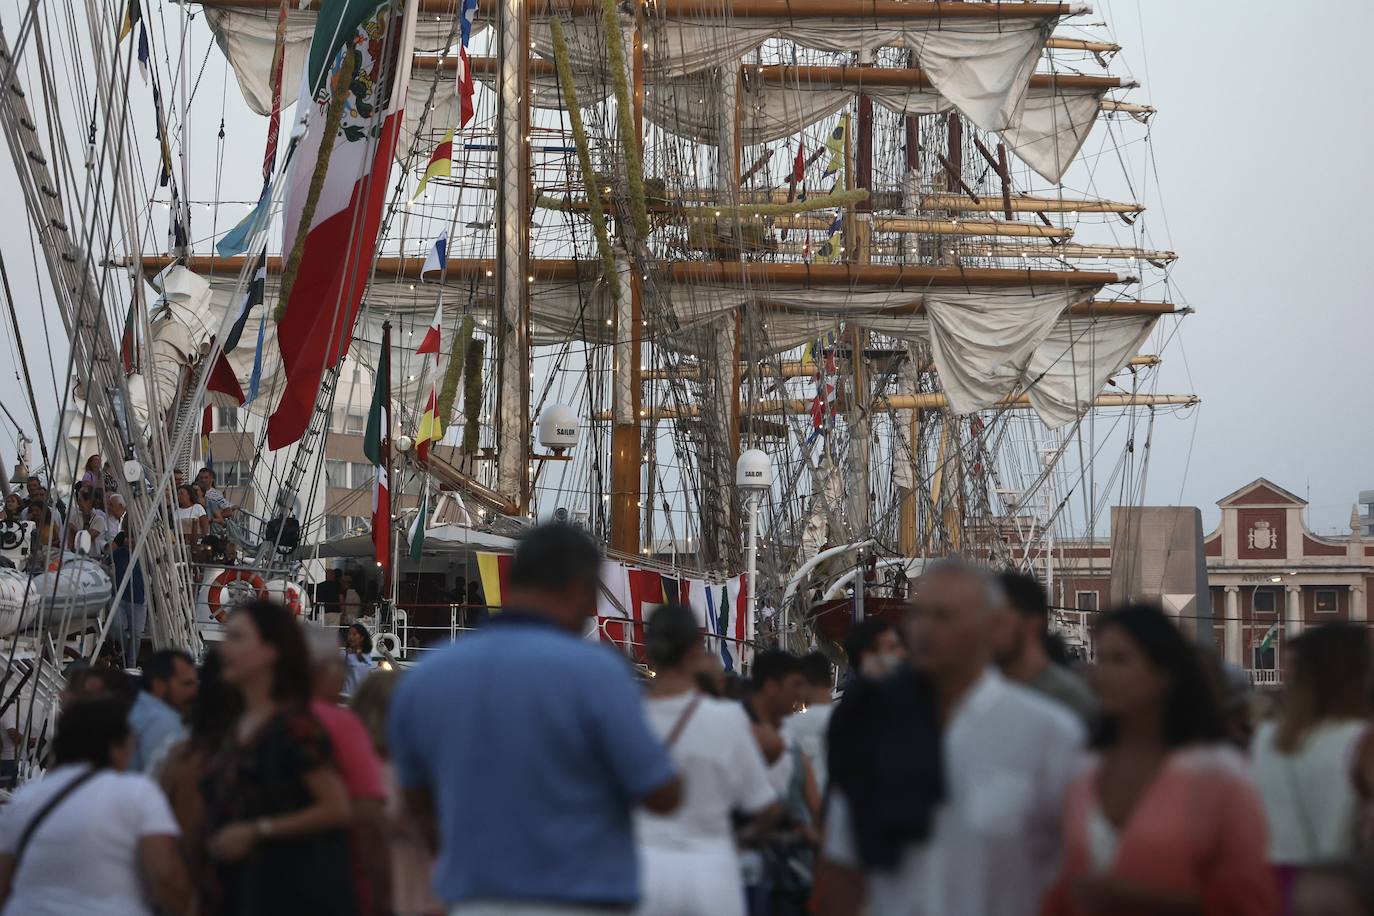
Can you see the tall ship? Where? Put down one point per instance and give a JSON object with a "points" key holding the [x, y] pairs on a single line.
{"points": [[779, 299]]}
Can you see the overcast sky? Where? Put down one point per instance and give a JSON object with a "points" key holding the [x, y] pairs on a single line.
{"points": [[1261, 146]]}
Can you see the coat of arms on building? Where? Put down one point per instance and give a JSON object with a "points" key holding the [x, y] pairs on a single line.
{"points": [[1263, 536]]}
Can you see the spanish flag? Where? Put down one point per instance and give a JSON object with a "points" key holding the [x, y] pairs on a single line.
{"points": [[440, 163], [431, 428], [494, 570]]}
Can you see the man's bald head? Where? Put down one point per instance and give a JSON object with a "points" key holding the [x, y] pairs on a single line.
{"points": [[946, 630]]}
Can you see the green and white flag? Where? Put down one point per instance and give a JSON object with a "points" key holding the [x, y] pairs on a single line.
{"points": [[417, 527], [1268, 641]]}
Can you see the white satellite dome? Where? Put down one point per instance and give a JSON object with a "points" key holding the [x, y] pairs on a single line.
{"points": [[558, 428], [753, 471]]}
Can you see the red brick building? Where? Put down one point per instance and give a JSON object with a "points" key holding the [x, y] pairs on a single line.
{"points": [[1268, 576]]}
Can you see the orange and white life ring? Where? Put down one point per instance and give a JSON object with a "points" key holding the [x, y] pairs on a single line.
{"points": [[291, 597], [227, 578]]}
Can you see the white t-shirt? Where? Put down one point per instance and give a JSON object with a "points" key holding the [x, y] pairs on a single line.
{"points": [[1009, 756], [84, 857], [188, 519], [808, 730], [722, 771], [97, 522]]}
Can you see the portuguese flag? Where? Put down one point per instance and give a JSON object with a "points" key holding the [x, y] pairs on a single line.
{"points": [[354, 82]]}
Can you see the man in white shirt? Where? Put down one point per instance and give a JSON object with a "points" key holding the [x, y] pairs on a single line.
{"points": [[808, 729], [216, 502], [88, 517], [1008, 757], [115, 511], [218, 507]]}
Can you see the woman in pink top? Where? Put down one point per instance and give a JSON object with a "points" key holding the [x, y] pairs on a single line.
{"points": [[1164, 820]]}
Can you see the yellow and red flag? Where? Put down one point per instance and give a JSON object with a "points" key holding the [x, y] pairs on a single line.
{"points": [[440, 163]]}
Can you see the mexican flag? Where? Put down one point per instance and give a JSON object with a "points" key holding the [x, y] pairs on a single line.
{"points": [[356, 74], [377, 448]]}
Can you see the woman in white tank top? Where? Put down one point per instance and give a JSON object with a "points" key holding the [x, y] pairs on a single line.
{"points": [[1309, 765]]}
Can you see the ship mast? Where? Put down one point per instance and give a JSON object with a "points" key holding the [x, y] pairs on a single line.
{"points": [[512, 253], [627, 392]]}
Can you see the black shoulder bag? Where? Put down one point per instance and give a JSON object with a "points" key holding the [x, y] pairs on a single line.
{"points": [[46, 810]]}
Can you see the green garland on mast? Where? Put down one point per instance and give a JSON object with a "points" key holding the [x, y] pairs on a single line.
{"points": [[595, 210]]}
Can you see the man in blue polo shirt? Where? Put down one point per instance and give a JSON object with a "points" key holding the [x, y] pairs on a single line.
{"points": [[526, 748]]}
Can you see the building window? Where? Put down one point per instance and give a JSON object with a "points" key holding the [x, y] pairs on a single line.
{"points": [[228, 419], [334, 526], [363, 475], [1264, 658], [1086, 601], [1326, 601], [335, 472], [233, 474], [1264, 601], [355, 423]]}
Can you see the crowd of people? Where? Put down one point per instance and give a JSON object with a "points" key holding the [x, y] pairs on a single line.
{"points": [[203, 515], [203, 519], [948, 765]]}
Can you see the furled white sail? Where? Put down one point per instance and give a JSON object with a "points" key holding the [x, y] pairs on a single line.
{"points": [[982, 66], [1046, 133], [1076, 358], [247, 39], [980, 342]]}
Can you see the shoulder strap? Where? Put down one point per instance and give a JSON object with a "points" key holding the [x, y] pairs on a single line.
{"points": [[681, 722], [46, 810]]}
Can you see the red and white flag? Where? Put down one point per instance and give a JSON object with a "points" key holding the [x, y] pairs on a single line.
{"points": [[341, 240], [431, 342], [464, 82]]}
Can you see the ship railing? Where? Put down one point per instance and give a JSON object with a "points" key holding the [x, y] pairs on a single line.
{"points": [[420, 628]]}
